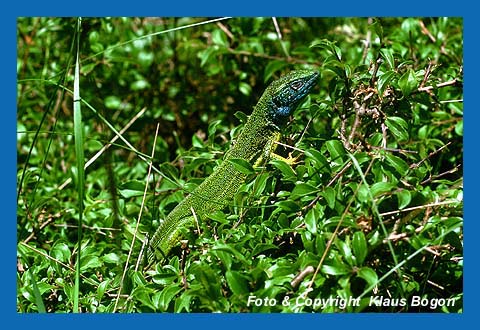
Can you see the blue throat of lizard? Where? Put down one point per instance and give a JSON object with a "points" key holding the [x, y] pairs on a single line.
{"points": [[287, 93]]}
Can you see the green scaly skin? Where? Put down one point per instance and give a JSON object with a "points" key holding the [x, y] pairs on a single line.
{"points": [[254, 144]]}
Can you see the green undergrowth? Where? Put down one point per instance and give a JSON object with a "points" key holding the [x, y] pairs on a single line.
{"points": [[369, 218]]}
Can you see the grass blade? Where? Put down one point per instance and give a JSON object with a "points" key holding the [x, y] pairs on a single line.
{"points": [[80, 160], [37, 294]]}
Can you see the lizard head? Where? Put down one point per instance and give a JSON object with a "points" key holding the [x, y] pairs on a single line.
{"points": [[287, 93]]}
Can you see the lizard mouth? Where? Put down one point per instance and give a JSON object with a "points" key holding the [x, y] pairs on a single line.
{"points": [[310, 82]]}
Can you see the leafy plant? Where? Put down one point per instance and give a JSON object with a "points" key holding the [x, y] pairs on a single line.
{"points": [[371, 211]]}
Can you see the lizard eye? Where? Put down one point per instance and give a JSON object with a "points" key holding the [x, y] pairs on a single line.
{"points": [[296, 85]]}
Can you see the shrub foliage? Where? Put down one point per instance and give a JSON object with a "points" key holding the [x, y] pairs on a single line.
{"points": [[372, 210]]}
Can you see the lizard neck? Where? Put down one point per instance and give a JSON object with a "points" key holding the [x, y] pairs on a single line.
{"points": [[257, 132]]}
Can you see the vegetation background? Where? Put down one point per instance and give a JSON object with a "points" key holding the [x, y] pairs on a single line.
{"points": [[374, 208]]}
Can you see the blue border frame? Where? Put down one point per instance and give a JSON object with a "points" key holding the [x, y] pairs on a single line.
{"points": [[224, 8]]}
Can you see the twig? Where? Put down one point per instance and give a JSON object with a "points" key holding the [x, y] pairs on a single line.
{"points": [[49, 257], [87, 279], [299, 278], [224, 29], [43, 225], [150, 35], [420, 207], [426, 75], [440, 85], [452, 101], [376, 66], [425, 31], [196, 219], [384, 135], [184, 247], [395, 237], [356, 122], [105, 147], [335, 178], [288, 146], [368, 41], [137, 224], [430, 155], [280, 38], [269, 57], [335, 232], [97, 229], [393, 149], [431, 178], [438, 286], [142, 249]]}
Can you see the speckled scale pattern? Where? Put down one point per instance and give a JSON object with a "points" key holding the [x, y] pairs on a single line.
{"points": [[254, 145]]}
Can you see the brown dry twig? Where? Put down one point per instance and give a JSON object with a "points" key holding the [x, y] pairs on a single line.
{"points": [[426, 31]]}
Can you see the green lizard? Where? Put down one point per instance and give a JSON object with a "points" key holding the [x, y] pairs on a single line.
{"points": [[255, 144]]}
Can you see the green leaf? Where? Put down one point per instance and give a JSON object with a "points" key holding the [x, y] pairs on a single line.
{"points": [[146, 58], [245, 88], [206, 54], [61, 251], [112, 102], [359, 244], [336, 150], [330, 196], [212, 128], [140, 85], [380, 188], [259, 248], [287, 205], [287, 171], [398, 163], [89, 261], [166, 296], [459, 128], [102, 287], [260, 184], [311, 220], [344, 249], [398, 126], [329, 46], [303, 189], [377, 28], [368, 275], [111, 258], [229, 249], [384, 80], [339, 269], [132, 188], [183, 303], [236, 282], [219, 38], [241, 116], [272, 67], [387, 54], [408, 82], [404, 197], [219, 217], [363, 194], [320, 160], [133, 185], [144, 295], [242, 165], [37, 293]]}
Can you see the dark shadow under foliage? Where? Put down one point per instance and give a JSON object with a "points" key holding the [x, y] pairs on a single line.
{"points": [[369, 220]]}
